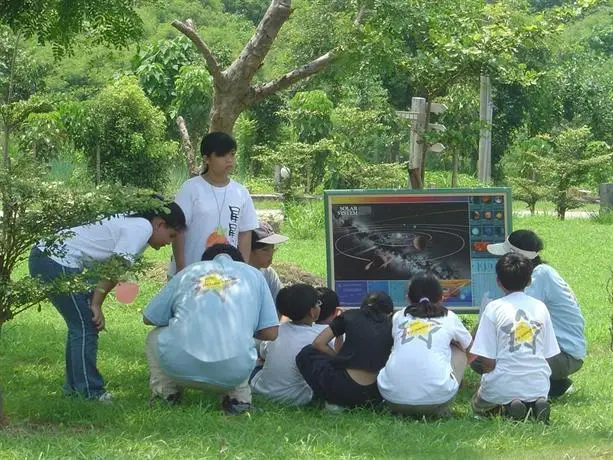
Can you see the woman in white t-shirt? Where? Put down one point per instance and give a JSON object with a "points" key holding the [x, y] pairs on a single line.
{"points": [[426, 366], [120, 237], [217, 209]]}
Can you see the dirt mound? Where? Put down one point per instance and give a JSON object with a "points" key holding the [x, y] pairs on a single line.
{"points": [[292, 273], [288, 272]]}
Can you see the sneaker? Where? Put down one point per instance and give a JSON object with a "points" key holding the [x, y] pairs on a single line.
{"points": [[106, 398], [559, 387], [173, 399], [516, 410], [333, 408], [541, 410], [235, 407]]}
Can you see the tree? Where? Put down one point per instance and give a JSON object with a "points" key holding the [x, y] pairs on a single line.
{"points": [[112, 22], [234, 90], [124, 133]]}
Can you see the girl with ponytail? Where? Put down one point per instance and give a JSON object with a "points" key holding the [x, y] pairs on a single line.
{"points": [[426, 366]]}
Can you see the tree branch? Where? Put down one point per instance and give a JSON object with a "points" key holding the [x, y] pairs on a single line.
{"points": [[189, 30], [299, 73], [253, 54]]}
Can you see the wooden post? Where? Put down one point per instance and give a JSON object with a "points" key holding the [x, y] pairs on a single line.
{"points": [[485, 140], [606, 198], [416, 156]]}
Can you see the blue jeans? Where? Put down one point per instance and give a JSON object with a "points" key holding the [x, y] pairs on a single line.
{"points": [[82, 375]]}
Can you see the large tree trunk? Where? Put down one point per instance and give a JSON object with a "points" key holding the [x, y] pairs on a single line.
{"points": [[233, 88]]}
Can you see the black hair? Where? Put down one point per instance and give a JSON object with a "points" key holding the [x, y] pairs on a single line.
{"points": [[377, 305], [425, 296], [217, 249], [329, 302], [255, 244], [528, 241], [514, 271], [296, 301], [216, 143], [169, 212]]}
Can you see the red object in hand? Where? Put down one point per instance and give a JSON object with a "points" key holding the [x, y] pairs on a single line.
{"points": [[126, 292]]}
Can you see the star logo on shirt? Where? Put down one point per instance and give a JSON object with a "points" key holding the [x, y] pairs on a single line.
{"points": [[420, 329], [215, 282], [523, 332]]}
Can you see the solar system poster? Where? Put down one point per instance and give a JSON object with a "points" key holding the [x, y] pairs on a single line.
{"points": [[377, 240]]}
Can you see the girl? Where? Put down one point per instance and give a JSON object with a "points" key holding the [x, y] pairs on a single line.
{"points": [[349, 377], [550, 288], [217, 209], [426, 366], [125, 237]]}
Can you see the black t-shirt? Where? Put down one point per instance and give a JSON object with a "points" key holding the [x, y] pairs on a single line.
{"points": [[368, 342]]}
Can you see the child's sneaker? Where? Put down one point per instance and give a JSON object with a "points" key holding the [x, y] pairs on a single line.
{"points": [[235, 407], [516, 410], [334, 408], [542, 410], [106, 398]]}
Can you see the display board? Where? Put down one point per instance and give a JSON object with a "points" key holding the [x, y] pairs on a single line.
{"points": [[376, 240]]}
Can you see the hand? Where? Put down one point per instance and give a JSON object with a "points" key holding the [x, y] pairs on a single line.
{"points": [[97, 317]]}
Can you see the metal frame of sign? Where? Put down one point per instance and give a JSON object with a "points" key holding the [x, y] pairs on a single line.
{"points": [[484, 206]]}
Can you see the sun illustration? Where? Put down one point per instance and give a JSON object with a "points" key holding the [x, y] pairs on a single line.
{"points": [[523, 332], [419, 328], [214, 282]]}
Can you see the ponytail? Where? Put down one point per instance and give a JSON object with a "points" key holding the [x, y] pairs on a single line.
{"points": [[426, 309], [425, 297]]}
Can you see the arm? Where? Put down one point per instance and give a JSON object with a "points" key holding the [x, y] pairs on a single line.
{"points": [[270, 333], [321, 342], [244, 244], [100, 293], [178, 251]]}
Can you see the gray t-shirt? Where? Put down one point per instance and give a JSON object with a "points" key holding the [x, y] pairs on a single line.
{"points": [[280, 379], [273, 281]]}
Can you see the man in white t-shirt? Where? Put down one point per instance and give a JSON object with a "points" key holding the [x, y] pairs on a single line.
{"points": [[279, 379], [263, 240], [514, 339]]}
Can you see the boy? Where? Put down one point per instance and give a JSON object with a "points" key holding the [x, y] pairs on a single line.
{"points": [[206, 318], [330, 309], [514, 339], [279, 379], [263, 240]]}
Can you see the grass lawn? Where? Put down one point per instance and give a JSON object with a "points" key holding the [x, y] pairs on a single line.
{"points": [[47, 425]]}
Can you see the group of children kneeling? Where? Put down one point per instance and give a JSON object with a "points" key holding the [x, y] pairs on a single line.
{"points": [[413, 360]]}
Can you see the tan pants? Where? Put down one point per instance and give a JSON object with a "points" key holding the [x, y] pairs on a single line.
{"points": [[459, 361], [162, 385]]}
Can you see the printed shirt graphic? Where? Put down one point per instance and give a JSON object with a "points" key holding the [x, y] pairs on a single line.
{"points": [[568, 323], [517, 332], [418, 370], [212, 310], [214, 215]]}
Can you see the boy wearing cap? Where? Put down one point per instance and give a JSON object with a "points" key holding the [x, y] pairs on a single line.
{"points": [[263, 240]]}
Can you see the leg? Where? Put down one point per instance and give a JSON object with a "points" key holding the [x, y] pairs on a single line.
{"points": [[458, 363], [432, 410], [562, 365], [483, 407], [159, 383], [314, 367]]}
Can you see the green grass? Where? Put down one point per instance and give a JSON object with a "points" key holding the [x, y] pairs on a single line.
{"points": [[47, 425]]}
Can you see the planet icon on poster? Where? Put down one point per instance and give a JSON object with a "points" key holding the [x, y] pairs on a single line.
{"points": [[419, 242]]}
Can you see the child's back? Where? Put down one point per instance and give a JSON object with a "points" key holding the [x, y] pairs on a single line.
{"points": [[280, 379], [517, 332]]}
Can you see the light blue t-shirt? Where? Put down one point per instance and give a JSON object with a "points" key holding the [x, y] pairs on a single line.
{"points": [[212, 310], [568, 323]]}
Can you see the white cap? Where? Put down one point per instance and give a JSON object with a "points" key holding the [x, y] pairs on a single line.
{"points": [[500, 249]]}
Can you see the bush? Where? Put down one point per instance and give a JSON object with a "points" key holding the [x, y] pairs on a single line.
{"points": [[303, 219], [128, 132]]}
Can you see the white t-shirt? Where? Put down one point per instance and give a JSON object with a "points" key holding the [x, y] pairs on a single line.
{"points": [[517, 332], [208, 209], [124, 236], [280, 379], [418, 371]]}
